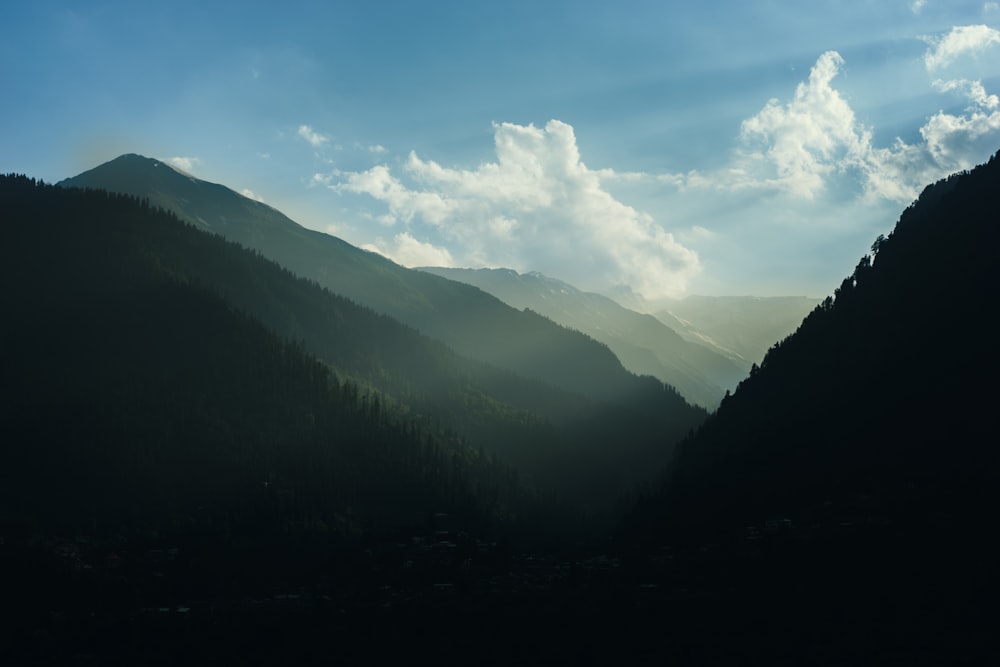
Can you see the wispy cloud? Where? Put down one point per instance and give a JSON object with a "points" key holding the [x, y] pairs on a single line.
{"points": [[969, 39], [537, 205], [917, 6], [974, 90], [315, 138]]}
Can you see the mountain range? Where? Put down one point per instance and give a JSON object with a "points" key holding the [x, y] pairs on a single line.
{"points": [[741, 327], [698, 366], [642, 342], [257, 466], [547, 399], [470, 321]]}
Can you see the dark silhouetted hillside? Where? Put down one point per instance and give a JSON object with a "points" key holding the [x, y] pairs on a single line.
{"points": [[882, 391], [842, 502]]}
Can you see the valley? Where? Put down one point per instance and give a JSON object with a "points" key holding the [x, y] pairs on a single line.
{"points": [[227, 437]]}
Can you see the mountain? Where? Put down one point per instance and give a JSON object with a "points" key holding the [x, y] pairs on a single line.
{"points": [[839, 507], [140, 402], [470, 321], [585, 450], [644, 344], [873, 411], [741, 326]]}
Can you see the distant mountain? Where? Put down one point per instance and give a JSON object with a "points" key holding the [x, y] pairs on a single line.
{"points": [[745, 326], [467, 319], [880, 409], [643, 343]]}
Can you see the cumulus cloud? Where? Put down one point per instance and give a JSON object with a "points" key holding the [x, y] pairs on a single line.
{"points": [[537, 206], [813, 142], [968, 39], [313, 137], [917, 6], [801, 142]]}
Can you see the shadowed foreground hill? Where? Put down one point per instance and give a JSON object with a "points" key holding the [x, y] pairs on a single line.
{"points": [[846, 494], [884, 391]]}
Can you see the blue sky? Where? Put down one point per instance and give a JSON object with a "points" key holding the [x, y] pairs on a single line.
{"points": [[711, 148]]}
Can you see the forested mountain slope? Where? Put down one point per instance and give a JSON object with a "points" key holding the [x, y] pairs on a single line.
{"points": [[882, 404], [472, 322], [839, 508], [583, 450], [136, 400], [643, 344]]}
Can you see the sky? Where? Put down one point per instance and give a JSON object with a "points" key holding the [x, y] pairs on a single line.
{"points": [[720, 148]]}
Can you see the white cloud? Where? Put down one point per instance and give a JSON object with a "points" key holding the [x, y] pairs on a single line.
{"points": [[814, 142], [538, 206], [974, 90], [377, 148], [184, 163], [794, 146], [917, 6], [959, 41], [250, 194], [957, 141], [320, 179], [404, 204], [313, 137], [408, 251]]}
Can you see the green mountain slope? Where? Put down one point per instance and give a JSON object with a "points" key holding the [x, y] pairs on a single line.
{"points": [[136, 401], [472, 322], [584, 450], [642, 343]]}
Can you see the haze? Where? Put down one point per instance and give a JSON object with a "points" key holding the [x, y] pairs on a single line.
{"points": [[738, 148]]}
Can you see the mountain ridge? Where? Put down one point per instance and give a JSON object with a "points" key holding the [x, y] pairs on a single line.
{"points": [[553, 435], [869, 422], [642, 342], [474, 323]]}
